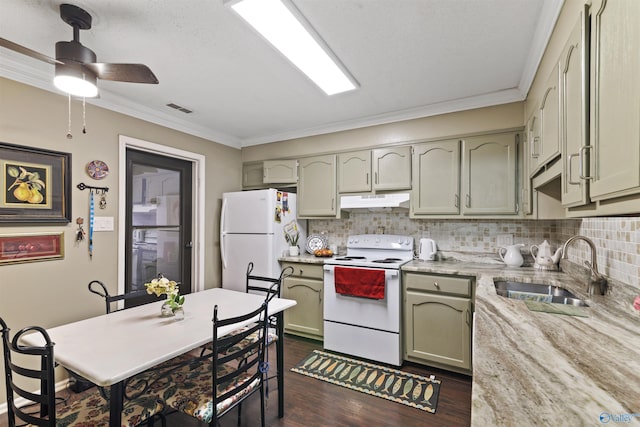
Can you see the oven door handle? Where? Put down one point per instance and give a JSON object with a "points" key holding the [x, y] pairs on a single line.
{"points": [[387, 273]]}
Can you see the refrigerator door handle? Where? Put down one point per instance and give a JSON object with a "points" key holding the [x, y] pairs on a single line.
{"points": [[222, 233]]}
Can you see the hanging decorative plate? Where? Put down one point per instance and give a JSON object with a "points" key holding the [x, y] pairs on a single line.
{"points": [[315, 242], [97, 169]]}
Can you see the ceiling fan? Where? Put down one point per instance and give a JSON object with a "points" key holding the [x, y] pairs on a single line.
{"points": [[76, 66]]}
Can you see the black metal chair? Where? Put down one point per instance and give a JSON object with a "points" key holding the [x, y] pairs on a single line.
{"points": [[98, 288], [42, 408], [275, 329], [210, 387]]}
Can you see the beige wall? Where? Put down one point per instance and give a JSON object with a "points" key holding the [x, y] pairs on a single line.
{"points": [[508, 116], [50, 293]]}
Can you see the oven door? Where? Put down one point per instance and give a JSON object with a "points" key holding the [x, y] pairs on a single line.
{"points": [[381, 314]]}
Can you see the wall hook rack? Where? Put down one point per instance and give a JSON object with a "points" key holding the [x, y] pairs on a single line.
{"points": [[83, 186]]}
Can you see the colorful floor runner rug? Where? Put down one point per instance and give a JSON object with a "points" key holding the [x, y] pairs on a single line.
{"points": [[391, 384]]}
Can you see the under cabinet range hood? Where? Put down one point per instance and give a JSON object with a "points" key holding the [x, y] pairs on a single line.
{"points": [[375, 202]]}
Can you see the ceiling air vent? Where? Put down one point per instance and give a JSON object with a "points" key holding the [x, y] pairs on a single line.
{"points": [[179, 108]]}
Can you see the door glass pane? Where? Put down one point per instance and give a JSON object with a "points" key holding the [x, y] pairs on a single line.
{"points": [[155, 224]]}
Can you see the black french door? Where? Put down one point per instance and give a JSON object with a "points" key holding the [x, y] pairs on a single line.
{"points": [[158, 221]]}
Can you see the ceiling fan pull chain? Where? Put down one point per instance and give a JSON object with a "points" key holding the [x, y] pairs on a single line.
{"points": [[84, 116], [69, 136]]}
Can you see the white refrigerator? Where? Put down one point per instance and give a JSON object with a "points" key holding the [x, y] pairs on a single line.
{"points": [[252, 229]]}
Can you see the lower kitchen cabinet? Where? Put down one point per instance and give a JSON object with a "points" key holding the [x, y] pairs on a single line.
{"points": [[438, 313], [306, 287]]}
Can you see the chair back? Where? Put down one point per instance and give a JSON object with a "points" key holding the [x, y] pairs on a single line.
{"points": [[98, 288], [273, 285], [233, 378], [40, 408]]}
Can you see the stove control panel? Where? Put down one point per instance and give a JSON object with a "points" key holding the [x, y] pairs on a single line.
{"points": [[380, 241]]}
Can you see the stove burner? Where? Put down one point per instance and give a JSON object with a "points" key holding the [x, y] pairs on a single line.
{"points": [[387, 260], [350, 258]]}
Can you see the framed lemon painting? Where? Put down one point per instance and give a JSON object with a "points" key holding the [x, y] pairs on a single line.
{"points": [[35, 185]]}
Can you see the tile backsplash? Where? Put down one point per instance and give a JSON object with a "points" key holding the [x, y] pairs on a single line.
{"points": [[617, 239]]}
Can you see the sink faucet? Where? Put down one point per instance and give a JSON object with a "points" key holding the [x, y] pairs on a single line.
{"points": [[596, 279]]}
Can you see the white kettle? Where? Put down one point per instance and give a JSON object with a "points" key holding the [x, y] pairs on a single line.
{"points": [[545, 258], [427, 250]]}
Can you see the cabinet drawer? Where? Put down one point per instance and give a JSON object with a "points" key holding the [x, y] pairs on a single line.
{"points": [[305, 270], [438, 284]]}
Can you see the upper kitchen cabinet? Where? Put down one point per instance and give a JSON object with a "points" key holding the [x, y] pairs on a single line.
{"points": [[252, 173], [354, 172], [574, 113], [280, 172], [317, 187], [262, 174], [436, 178], [547, 146], [381, 169], [489, 168], [392, 168], [532, 132], [615, 110], [475, 176]]}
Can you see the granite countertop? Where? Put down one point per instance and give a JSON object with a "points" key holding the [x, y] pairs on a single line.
{"points": [[304, 258], [533, 368]]}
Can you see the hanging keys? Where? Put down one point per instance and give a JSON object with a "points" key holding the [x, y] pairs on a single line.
{"points": [[103, 200], [80, 233]]}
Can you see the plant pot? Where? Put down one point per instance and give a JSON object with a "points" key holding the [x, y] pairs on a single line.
{"points": [[294, 251]]}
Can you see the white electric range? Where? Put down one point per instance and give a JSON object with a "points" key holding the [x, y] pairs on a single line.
{"points": [[367, 327]]}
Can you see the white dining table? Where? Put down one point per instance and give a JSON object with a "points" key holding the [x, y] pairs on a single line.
{"points": [[109, 349]]}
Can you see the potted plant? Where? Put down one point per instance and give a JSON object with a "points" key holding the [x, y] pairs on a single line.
{"points": [[292, 239], [173, 304]]}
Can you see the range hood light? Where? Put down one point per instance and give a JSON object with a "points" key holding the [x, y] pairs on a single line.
{"points": [[375, 202]]}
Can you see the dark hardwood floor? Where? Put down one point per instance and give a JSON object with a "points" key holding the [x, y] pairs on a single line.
{"points": [[310, 402]]}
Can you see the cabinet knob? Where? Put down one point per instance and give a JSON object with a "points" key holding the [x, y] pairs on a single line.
{"points": [[301, 271], [436, 285]]}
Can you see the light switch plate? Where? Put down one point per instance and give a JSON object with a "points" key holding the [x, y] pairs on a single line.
{"points": [[504, 240], [103, 223]]}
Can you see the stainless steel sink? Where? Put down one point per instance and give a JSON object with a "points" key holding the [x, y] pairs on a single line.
{"points": [[537, 292]]}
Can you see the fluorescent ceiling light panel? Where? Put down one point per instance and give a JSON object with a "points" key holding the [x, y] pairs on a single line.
{"points": [[294, 38]]}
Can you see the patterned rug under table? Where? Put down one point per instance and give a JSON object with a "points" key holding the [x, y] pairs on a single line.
{"points": [[391, 384]]}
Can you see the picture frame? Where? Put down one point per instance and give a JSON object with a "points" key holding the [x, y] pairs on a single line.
{"points": [[19, 248], [35, 185]]}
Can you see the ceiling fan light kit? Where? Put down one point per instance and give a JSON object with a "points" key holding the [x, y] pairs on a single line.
{"points": [[71, 76], [77, 71]]}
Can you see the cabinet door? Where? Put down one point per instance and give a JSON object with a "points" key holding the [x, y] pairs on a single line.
{"points": [[436, 178], [317, 187], [526, 190], [280, 172], [533, 141], [252, 175], [549, 146], [354, 172], [392, 168], [489, 174], [615, 110], [305, 318], [438, 329], [574, 126]]}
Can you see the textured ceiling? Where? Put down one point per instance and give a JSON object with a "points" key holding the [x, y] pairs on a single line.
{"points": [[411, 58]]}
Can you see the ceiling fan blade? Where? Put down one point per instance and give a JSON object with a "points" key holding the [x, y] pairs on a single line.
{"points": [[132, 73], [29, 52]]}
